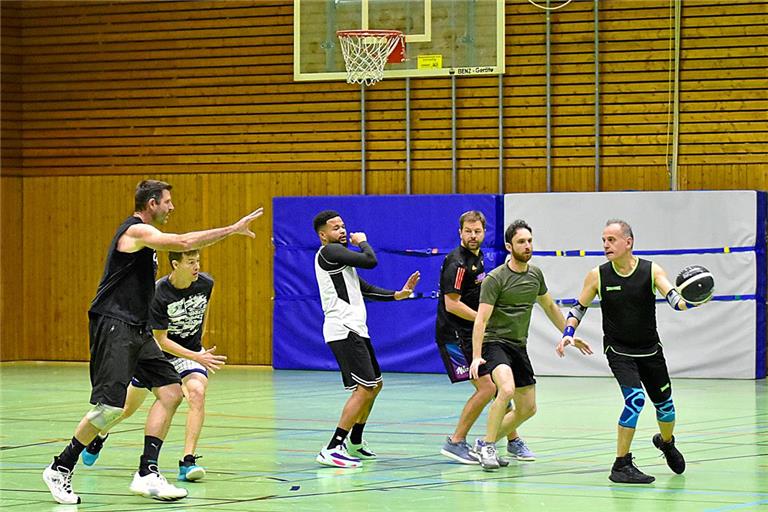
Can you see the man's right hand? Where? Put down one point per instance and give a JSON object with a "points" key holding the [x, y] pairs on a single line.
{"points": [[211, 361], [241, 226], [474, 367], [357, 238]]}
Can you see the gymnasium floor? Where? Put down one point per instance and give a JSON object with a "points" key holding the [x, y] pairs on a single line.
{"points": [[264, 428]]}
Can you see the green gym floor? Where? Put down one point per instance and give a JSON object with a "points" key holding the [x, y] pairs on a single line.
{"points": [[264, 428]]}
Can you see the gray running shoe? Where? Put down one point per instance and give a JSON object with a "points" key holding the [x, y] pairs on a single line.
{"points": [[460, 452], [520, 450]]}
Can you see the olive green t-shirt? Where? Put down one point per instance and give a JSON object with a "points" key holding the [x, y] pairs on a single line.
{"points": [[512, 295]]}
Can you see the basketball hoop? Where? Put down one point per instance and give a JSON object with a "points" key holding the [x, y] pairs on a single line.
{"points": [[366, 51]]}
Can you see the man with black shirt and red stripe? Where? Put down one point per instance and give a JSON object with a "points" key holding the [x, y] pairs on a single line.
{"points": [[346, 332], [461, 274], [121, 342]]}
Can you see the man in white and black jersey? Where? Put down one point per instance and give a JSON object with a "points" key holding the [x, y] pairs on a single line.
{"points": [[346, 332], [177, 318], [121, 342]]}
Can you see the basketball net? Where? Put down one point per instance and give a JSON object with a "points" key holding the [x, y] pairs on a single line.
{"points": [[367, 51]]}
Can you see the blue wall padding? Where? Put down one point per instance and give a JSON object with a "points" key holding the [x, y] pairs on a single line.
{"points": [[761, 284], [408, 233]]}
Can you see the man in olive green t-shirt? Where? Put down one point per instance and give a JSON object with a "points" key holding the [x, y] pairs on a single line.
{"points": [[499, 337]]}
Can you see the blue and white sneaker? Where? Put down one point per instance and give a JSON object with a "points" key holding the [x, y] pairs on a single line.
{"points": [[189, 471], [361, 451], [91, 452], [520, 450], [460, 452], [338, 458]]}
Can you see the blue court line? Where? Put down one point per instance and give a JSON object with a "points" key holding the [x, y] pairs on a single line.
{"points": [[737, 507], [716, 298]]}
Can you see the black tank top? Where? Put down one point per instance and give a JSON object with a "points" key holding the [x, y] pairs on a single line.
{"points": [[128, 284], [628, 304]]}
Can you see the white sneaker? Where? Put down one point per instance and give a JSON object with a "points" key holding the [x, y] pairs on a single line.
{"points": [[487, 453], [59, 482], [155, 486], [337, 457], [361, 451]]}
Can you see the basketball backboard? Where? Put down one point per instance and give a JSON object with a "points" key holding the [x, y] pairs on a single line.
{"points": [[443, 37]]}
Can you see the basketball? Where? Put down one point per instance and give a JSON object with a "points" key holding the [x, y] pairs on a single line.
{"points": [[695, 284]]}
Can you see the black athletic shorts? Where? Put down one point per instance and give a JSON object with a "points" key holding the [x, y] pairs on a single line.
{"points": [[515, 357], [457, 356], [120, 351], [357, 361], [649, 370]]}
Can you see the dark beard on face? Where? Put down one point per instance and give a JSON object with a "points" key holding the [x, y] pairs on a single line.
{"points": [[522, 258]]}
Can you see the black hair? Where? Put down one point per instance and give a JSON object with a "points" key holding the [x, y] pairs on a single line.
{"points": [[177, 256], [146, 190], [513, 228], [323, 217]]}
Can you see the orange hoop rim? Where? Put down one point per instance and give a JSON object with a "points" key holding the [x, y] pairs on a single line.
{"points": [[369, 33]]}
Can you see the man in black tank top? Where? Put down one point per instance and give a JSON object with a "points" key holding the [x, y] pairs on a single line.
{"points": [[627, 288], [121, 343]]}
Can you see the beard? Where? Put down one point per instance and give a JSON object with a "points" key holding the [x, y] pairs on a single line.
{"points": [[521, 256]]}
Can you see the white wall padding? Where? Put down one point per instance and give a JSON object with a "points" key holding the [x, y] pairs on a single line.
{"points": [[717, 340]]}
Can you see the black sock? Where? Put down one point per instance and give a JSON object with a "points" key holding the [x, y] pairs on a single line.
{"points": [[356, 435], [68, 457], [189, 458], [338, 438], [97, 443], [148, 461]]}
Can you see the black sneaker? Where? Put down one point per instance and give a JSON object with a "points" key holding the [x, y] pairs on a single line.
{"points": [[91, 452], [675, 459], [624, 471]]}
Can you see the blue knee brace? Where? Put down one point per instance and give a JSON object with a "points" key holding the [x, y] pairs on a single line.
{"points": [[634, 400], [665, 411]]}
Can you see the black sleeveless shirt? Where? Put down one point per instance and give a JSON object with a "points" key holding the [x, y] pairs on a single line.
{"points": [[628, 304], [128, 283]]}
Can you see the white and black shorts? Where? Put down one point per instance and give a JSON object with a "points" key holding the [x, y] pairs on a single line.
{"points": [[182, 366], [187, 366], [357, 361]]}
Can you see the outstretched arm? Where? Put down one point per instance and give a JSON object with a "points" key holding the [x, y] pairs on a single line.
{"points": [[587, 295], [373, 292], [139, 236]]}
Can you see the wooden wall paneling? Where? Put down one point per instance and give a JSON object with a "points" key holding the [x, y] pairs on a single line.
{"points": [[11, 85], [635, 178], [12, 262], [11, 202], [727, 108]]}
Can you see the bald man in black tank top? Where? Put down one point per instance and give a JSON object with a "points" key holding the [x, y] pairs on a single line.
{"points": [[627, 288]]}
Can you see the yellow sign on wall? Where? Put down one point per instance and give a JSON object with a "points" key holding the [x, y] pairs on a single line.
{"points": [[430, 61]]}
